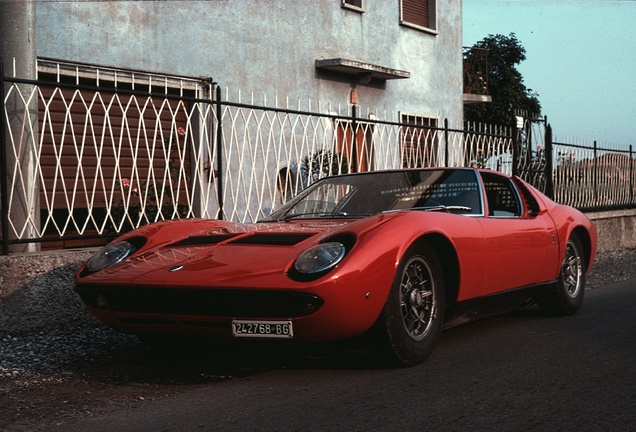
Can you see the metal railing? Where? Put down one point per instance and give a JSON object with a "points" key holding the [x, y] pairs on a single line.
{"points": [[475, 70], [590, 176], [112, 154]]}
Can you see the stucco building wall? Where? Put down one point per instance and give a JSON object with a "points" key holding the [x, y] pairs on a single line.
{"points": [[269, 47]]}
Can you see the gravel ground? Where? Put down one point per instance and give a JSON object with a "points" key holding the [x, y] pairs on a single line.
{"points": [[49, 378]]}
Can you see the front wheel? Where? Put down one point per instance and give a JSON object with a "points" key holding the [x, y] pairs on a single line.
{"points": [[413, 312], [570, 289]]}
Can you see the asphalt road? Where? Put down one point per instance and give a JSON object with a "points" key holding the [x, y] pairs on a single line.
{"points": [[516, 372]]}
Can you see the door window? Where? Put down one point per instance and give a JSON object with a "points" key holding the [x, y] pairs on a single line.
{"points": [[501, 196]]}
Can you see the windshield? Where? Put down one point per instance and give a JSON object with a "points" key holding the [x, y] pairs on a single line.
{"points": [[365, 194]]}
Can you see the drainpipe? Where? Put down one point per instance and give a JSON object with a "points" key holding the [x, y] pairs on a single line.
{"points": [[18, 52]]}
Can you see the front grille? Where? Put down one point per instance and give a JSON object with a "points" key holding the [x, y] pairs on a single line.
{"points": [[200, 302]]}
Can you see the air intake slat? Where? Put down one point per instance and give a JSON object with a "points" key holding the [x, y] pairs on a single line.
{"points": [[272, 239], [204, 240]]}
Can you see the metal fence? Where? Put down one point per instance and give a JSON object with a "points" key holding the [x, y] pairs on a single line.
{"points": [[590, 176], [91, 152]]}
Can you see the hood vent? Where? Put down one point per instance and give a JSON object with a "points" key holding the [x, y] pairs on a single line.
{"points": [[252, 239], [272, 239], [204, 240]]}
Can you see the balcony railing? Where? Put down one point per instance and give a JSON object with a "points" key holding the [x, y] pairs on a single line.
{"points": [[476, 75]]}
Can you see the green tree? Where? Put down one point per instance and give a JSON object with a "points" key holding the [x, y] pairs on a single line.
{"points": [[505, 84]]}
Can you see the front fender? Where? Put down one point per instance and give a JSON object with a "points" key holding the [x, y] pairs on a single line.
{"points": [[356, 292]]}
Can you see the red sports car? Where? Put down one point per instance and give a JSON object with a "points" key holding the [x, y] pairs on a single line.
{"points": [[396, 254]]}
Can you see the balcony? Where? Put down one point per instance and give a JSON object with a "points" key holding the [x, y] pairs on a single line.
{"points": [[476, 75]]}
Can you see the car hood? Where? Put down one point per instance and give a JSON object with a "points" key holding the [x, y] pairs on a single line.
{"points": [[217, 253]]}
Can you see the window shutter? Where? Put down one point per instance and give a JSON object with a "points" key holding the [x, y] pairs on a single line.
{"points": [[416, 12]]}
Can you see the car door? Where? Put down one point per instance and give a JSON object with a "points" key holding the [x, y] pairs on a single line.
{"points": [[518, 244]]}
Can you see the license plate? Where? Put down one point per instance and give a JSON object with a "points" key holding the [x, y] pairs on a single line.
{"points": [[265, 329]]}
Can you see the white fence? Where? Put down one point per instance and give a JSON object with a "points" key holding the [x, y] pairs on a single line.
{"points": [[93, 152], [100, 155]]}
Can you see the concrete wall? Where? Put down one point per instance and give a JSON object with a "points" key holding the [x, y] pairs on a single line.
{"points": [[616, 229], [36, 289]]}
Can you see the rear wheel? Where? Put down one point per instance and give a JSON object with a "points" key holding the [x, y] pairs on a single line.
{"points": [[568, 296], [413, 312]]}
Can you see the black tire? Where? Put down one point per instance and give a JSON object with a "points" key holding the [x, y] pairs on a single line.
{"points": [[413, 313], [570, 289]]}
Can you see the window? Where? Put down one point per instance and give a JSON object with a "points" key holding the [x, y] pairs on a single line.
{"points": [[419, 14], [419, 141], [502, 198], [356, 5]]}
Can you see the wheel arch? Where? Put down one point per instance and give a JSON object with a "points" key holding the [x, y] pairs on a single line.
{"points": [[586, 243], [450, 267]]}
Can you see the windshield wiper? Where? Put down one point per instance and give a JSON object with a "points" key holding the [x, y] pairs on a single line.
{"points": [[347, 215], [338, 215], [450, 208], [434, 208], [287, 218]]}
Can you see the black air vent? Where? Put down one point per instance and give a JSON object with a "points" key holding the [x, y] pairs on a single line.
{"points": [[272, 239], [533, 205], [204, 240]]}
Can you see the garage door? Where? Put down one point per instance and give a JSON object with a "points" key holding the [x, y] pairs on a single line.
{"points": [[110, 160]]}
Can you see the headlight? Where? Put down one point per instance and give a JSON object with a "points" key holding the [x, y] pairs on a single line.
{"points": [[109, 255], [320, 258]]}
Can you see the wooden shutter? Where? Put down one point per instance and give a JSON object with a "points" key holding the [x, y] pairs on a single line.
{"points": [[123, 146], [359, 157], [419, 142], [416, 12]]}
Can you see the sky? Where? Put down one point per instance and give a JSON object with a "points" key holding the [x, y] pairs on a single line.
{"points": [[580, 59]]}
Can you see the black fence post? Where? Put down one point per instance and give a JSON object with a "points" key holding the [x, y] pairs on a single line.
{"points": [[353, 167], [219, 154], [446, 141], [631, 175], [4, 200], [594, 172], [549, 179], [516, 146]]}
